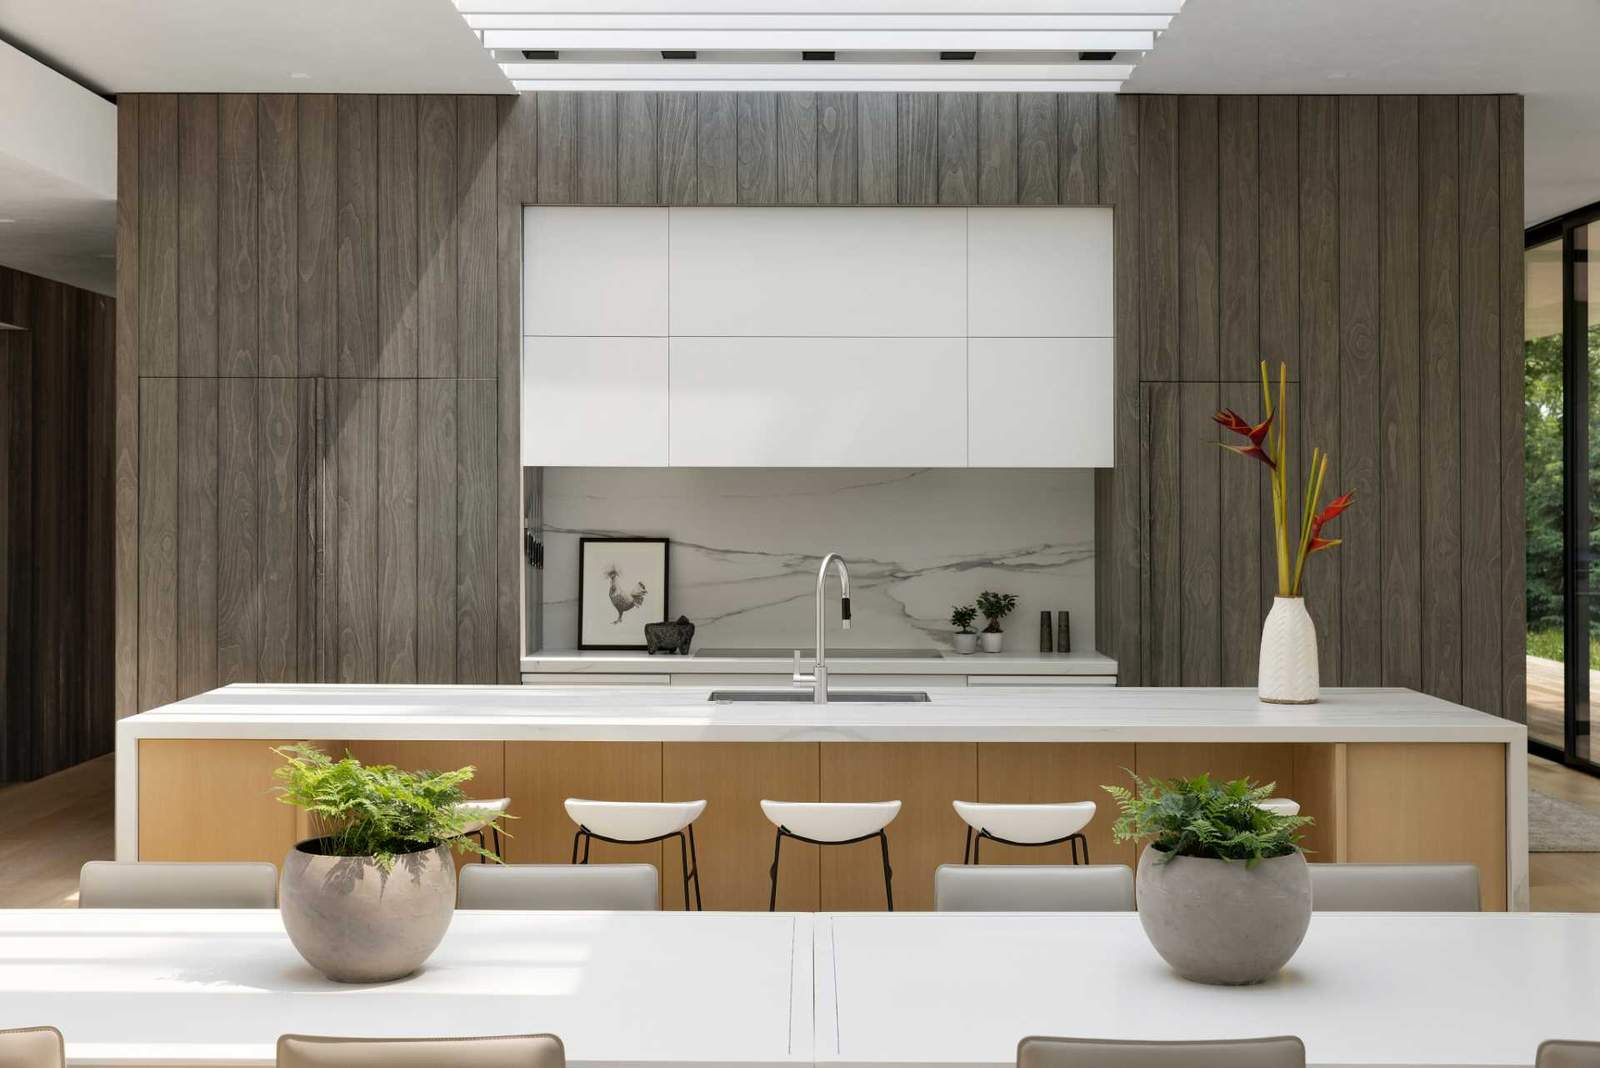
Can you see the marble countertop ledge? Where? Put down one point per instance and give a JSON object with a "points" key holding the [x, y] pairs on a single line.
{"points": [[598, 661]]}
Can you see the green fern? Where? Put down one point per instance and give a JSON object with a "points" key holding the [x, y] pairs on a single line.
{"points": [[377, 810], [1198, 818]]}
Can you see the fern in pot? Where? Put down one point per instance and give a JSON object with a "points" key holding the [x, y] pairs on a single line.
{"points": [[370, 895], [1223, 890], [995, 607]]}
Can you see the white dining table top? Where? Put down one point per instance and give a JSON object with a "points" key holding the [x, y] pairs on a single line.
{"points": [[171, 987], [1364, 989]]}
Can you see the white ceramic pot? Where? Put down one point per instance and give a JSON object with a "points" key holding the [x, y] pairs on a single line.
{"points": [[1287, 673], [966, 643], [991, 640]]}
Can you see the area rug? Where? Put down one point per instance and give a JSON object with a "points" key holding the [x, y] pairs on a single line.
{"points": [[1557, 826]]}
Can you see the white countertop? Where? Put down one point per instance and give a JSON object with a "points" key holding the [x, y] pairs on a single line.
{"points": [[683, 714], [1370, 989], [711, 662], [175, 987]]}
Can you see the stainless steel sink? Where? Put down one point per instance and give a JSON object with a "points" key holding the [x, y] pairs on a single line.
{"points": [[802, 697]]}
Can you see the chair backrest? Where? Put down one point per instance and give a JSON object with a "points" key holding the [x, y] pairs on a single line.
{"points": [[1282, 1052], [105, 884], [1564, 1054], [1394, 887], [1033, 888], [503, 1051], [623, 887], [32, 1047]]}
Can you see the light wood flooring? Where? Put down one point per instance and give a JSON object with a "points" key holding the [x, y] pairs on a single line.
{"points": [[49, 828]]}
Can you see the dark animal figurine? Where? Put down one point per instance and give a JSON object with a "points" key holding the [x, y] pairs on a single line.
{"points": [[669, 637]]}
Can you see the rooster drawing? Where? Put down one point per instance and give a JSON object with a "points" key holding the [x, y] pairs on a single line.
{"points": [[622, 602]]}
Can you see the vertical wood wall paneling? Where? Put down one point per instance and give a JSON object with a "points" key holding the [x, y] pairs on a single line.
{"points": [[1161, 464], [355, 430], [958, 148], [357, 309], [1197, 239], [679, 167], [436, 236], [1108, 118], [1400, 393], [1198, 503], [197, 535], [1441, 409], [1481, 631], [280, 513], [558, 147], [158, 234], [397, 236], [237, 212], [1127, 550], [125, 643], [239, 588], [1079, 145], [475, 526], [476, 228], [1513, 520], [878, 116], [758, 148], [1238, 247], [1158, 238], [1278, 153], [1244, 549], [1319, 350], [1038, 148], [316, 235], [92, 728], [197, 234], [637, 148], [597, 148], [55, 498], [436, 531], [917, 148], [278, 193], [838, 139], [997, 148], [717, 148], [397, 492], [158, 541], [516, 146], [1360, 568], [797, 148]]}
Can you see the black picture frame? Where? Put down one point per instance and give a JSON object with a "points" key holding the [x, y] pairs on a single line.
{"points": [[588, 626]]}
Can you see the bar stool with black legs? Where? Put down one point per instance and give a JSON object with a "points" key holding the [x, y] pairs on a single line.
{"points": [[1025, 825], [828, 823], [640, 823]]}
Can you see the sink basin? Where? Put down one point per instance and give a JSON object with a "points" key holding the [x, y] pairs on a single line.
{"points": [[833, 654], [803, 697]]}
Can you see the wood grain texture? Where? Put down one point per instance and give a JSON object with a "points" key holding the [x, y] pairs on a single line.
{"points": [[1127, 551], [125, 547], [436, 532], [476, 228], [355, 437], [1109, 115], [1162, 593], [1239, 242], [637, 149], [917, 158], [1197, 239], [958, 148], [1360, 568], [879, 146], [437, 255], [158, 234], [597, 148], [1279, 155], [1079, 145], [180, 777], [717, 148], [475, 531], [357, 237], [238, 656], [279, 511], [316, 234], [1038, 148], [758, 148], [197, 535], [539, 776], [197, 234], [397, 236], [1321, 775], [1199, 548], [838, 147], [237, 234], [397, 493], [797, 148], [997, 148], [558, 148], [1243, 549], [1513, 520], [1030, 774], [1158, 238], [1264, 762], [278, 199], [679, 166]]}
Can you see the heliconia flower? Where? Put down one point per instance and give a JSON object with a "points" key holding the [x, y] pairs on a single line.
{"points": [[1229, 419], [1327, 515]]}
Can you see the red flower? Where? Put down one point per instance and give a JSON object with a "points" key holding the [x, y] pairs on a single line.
{"points": [[1327, 515], [1231, 420]]}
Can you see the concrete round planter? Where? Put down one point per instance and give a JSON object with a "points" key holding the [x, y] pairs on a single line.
{"points": [[354, 922], [1217, 921]]}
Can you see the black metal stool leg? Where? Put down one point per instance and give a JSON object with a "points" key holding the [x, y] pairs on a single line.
{"points": [[683, 856], [888, 874], [498, 850], [977, 844], [575, 838], [588, 840], [777, 848], [966, 850], [694, 859]]}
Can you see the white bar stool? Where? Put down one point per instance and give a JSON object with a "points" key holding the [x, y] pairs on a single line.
{"points": [[1281, 806], [640, 823], [1025, 825], [828, 823], [488, 812]]}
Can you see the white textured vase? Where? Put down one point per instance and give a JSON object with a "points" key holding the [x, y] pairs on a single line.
{"points": [[1288, 669]]}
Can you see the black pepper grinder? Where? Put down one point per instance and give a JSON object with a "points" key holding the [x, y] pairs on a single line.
{"points": [[1063, 632], [1044, 633]]}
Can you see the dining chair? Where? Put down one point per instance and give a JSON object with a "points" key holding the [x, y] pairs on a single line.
{"points": [[620, 887], [1033, 888], [107, 884], [32, 1047], [1563, 1053], [831, 823], [1281, 1052], [1394, 887], [500, 1051]]}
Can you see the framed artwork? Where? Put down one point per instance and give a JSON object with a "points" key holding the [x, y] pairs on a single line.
{"points": [[622, 585]]}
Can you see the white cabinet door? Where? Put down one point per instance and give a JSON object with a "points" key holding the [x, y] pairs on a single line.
{"points": [[594, 401], [594, 272], [818, 402], [1040, 402], [1040, 273]]}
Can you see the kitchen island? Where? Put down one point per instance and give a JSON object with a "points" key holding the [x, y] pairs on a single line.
{"points": [[1388, 774]]}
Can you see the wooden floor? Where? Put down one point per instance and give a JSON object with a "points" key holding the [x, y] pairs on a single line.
{"points": [[49, 828]]}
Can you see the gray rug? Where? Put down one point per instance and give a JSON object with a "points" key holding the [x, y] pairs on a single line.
{"points": [[1557, 826]]}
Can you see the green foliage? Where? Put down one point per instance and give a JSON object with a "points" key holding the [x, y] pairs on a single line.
{"points": [[1550, 644], [995, 607], [1199, 818], [961, 617], [377, 810]]}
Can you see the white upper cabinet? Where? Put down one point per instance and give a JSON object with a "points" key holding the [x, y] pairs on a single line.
{"points": [[1039, 402], [594, 272], [1039, 272], [594, 402], [851, 272]]}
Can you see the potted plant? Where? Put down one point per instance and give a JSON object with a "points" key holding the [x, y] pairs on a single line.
{"points": [[961, 617], [1287, 670], [995, 607], [371, 894], [1223, 890]]}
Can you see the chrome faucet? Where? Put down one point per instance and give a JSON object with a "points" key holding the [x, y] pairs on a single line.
{"points": [[818, 679]]}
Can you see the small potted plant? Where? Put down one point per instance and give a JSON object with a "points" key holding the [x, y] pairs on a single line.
{"points": [[961, 617], [1223, 890], [370, 896], [995, 607]]}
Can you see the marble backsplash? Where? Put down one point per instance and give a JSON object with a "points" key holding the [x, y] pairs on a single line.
{"points": [[746, 543]]}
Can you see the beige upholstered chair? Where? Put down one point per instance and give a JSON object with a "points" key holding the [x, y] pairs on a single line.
{"points": [[623, 887], [32, 1047], [508, 1051], [1033, 888], [1564, 1054], [1285, 1052], [105, 884], [1394, 887]]}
